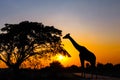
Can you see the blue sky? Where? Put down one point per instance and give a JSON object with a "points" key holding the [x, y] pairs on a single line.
{"points": [[96, 22], [92, 12]]}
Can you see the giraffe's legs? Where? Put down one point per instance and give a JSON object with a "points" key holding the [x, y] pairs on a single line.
{"points": [[83, 69], [93, 70]]}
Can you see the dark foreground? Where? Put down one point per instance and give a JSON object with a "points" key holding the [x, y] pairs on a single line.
{"points": [[38, 75]]}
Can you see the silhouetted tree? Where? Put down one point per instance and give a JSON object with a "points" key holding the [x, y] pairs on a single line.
{"points": [[20, 41], [108, 68], [117, 69], [100, 68], [73, 68], [56, 66]]}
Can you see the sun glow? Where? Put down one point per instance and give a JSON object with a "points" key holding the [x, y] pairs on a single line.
{"points": [[60, 57]]}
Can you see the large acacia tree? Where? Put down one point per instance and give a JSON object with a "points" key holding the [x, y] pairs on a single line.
{"points": [[20, 41]]}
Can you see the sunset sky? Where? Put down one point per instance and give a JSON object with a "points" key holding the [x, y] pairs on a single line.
{"points": [[94, 24]]}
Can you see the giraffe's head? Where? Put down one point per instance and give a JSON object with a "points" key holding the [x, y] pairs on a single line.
{"points": [[66, 36]]}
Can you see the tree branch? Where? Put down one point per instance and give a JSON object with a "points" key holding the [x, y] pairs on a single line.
{"points": [[2, 59]]}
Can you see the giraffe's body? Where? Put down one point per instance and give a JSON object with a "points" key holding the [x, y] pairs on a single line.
{"points": [[85, 54]]}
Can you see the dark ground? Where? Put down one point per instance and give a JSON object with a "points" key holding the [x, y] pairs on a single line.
{"points": [[6, 74], [38, 76]]}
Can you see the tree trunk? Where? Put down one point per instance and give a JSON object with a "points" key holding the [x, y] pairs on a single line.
{"points": [[13, 67], [14, 70]]}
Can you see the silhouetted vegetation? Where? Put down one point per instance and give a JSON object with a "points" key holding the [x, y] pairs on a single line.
{"points": [[20, 41], [57, 71], [108, 69], [102, 69], [56, 66]]}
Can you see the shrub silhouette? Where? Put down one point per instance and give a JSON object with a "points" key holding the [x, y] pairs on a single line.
{"points": [[56, 66]]}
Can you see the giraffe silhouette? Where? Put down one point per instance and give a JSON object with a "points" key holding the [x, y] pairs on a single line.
{"points": [[84, 53]]}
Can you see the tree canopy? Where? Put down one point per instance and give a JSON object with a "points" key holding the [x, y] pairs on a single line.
{"points": [[20, 41]]}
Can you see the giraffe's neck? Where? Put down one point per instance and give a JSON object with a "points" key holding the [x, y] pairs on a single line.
{"points": [[75, 44]]}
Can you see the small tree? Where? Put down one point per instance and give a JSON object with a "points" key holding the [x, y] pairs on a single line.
{"points": [[56, 66], [20, 41]]}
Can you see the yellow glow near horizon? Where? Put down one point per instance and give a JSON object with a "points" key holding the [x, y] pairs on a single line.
{"points": [[60, 57]]}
